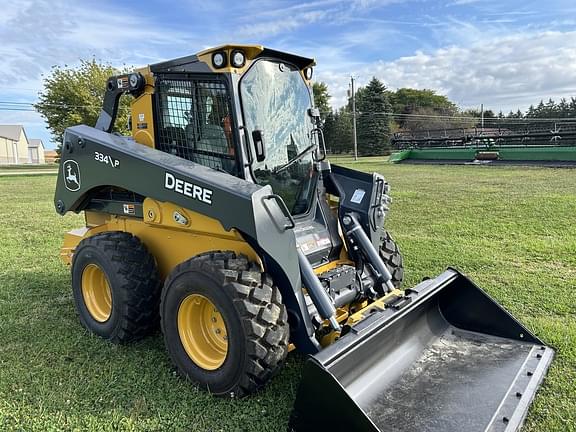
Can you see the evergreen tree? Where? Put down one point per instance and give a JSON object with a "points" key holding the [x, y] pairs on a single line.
{"points": [[329, 131], [572, 107], [563, 108], [373, 124], [551, 110], [344, 140], [540, 110], [338, 131]]}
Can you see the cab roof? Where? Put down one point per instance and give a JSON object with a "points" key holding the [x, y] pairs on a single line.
{"points": [[195, 63]]}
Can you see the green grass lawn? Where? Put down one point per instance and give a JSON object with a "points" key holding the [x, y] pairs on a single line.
{"points": [[511, 229]]}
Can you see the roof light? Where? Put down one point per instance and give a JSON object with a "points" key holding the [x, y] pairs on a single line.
{"points": [[308, 73], [238, 58], [219, 59]]}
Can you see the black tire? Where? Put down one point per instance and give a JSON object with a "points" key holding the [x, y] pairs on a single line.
{"points": [[133, 280], [256, 321], [392, 257]]}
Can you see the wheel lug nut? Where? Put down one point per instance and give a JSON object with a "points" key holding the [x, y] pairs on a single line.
{"points": [[213, 319], [218, 331]]}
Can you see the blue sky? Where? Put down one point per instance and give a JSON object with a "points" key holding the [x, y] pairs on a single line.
{"points": [[503, 53]]}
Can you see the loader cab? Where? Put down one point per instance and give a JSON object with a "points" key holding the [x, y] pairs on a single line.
{"points": [[243, 110]]}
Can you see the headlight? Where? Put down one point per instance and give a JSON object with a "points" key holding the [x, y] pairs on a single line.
{"points": [[219, 59], [238, 58]]}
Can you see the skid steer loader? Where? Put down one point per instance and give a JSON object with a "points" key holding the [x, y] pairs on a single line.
{"points": [[221, 219]]}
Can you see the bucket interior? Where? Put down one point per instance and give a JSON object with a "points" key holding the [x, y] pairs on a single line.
{"points": [[457, 382], [419, 371]]}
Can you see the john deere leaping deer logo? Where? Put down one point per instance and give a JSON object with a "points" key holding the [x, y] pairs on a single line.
{"points": [[71, 172]]}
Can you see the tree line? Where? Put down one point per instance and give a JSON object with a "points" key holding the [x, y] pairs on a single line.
{"points": [[381, 112]]}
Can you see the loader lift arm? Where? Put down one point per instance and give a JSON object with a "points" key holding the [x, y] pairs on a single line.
{"points": [[116, 86]]}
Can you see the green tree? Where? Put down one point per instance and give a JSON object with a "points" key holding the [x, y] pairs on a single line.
{"points": [[321, 98], [338, 131], [489, 114], [74, 95], [374, 114], [572, 107], [413, 102], [563, 108]]}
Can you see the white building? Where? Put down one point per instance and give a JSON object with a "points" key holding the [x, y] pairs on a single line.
{"points": [[15, 148], [36, 151]]}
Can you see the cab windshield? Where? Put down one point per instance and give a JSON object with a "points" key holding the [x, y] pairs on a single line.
{"points": [[275, 100]]}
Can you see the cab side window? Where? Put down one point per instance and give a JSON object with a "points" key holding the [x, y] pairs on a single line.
{"points": [[195, 122]]}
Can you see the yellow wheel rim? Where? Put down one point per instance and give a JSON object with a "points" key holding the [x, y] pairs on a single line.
{"points": [[202, 332], [96, 292]]}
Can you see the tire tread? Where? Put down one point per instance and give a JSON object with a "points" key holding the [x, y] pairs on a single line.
{"points": [[392, 257], [140, 281], [258, 303]]}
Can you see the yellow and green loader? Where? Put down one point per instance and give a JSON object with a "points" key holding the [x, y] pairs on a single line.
{"points": [[221, 221]]}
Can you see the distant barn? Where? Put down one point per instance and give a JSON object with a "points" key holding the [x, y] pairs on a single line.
{"points": [[16, 148]]}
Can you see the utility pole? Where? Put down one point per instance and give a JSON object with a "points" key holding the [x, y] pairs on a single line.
{"points": [[354, 118], [482, 116]]}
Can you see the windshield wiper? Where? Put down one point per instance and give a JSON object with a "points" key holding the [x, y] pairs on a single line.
{"points": [[294, 159]]}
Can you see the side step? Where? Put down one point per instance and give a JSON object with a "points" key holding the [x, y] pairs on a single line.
{"points": [[450, 360]]}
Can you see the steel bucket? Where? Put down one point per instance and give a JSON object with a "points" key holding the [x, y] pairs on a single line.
{"points": [[452, 359]]}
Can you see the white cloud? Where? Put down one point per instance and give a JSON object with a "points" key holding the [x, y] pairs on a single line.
{"points": [[463, 2], [264, 18], [503, 72], [280, 25], [37, 34]]}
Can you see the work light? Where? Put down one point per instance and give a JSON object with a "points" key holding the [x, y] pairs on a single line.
{"points": [[135, 80], [219, 59], [238, 58]]}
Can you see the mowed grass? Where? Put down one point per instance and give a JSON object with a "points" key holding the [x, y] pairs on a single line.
{"points": [[28, 167], [511, 229]]}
